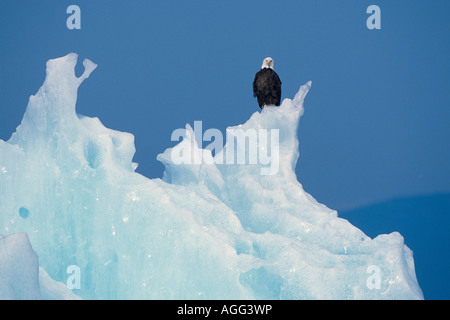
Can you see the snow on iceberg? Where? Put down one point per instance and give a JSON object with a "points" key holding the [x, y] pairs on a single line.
{"points": [[21, 278], [209, 230], [19, 275]]}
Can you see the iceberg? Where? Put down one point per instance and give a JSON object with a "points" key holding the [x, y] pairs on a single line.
{"points": [[19, 275], [21, 278], [205, 230]]}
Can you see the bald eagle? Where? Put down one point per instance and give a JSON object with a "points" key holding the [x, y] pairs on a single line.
{"points": [[267, 85]]}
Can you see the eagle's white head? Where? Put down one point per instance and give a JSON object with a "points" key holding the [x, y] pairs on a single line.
{"points": [[267, 63]]}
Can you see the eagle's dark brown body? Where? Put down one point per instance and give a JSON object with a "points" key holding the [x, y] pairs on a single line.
{"points": [[267, 88]]}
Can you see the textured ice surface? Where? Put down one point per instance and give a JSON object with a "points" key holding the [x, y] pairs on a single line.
{"points": [[204, 231], [21, 278], [19, 268]]}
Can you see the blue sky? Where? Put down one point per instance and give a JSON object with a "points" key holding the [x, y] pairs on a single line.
{"points": [[376, 122]]}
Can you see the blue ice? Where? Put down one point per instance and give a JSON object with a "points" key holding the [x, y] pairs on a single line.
{"points": [[70, 196]]}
